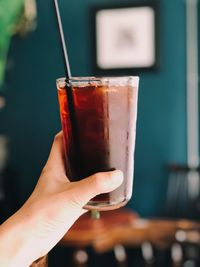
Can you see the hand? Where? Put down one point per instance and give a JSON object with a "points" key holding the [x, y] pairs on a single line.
{"points": [[53, 207]]}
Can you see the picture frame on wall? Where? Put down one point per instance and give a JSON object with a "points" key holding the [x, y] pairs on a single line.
{"points": [[125, 38]]}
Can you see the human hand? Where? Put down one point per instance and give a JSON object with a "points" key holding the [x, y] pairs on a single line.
{"points": [[53, 207]]}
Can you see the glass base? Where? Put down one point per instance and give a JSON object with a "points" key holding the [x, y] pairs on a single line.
{"points": [[105, 205]]}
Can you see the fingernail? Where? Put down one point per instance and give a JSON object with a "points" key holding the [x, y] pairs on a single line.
{"points": [[116, 178]]}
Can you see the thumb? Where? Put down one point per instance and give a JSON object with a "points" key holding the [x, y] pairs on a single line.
{"points": [[99, 183]]}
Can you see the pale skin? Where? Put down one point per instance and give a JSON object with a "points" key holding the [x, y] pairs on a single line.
{"points": [[50, 211]]}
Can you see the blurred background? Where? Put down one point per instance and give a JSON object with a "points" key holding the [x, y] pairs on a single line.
{"points": [[31, 60]]}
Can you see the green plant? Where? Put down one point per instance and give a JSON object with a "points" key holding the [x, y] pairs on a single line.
{"points": [[10, 12]]}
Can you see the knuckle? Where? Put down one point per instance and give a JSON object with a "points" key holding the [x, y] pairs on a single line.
{"points": [[98, 179], [57, 137], [44, 171]]}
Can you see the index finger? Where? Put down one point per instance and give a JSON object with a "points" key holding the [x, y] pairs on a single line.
{"points": [[56, 160]]}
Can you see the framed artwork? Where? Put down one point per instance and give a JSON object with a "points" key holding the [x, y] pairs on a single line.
{"points": [[125, 38]]}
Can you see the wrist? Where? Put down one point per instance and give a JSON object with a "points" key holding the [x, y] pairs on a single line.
{"points": [[15, 243]]}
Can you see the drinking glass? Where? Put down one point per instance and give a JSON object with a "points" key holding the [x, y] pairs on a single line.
{"points": [[98, 117]]}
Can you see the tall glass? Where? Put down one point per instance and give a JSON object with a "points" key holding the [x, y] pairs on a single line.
{"points": [[98, 117]]}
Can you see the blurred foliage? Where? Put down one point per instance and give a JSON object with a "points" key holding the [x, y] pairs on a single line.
{"points": [[10, 12]]}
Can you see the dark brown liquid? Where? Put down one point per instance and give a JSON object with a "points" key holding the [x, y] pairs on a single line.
{"points": [[102, 136]]}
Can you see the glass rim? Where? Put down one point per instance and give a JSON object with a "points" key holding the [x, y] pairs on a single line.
{"points": [[108, 80]]}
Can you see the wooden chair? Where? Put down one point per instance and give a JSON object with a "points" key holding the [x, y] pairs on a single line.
{"points": [[183, 192]]}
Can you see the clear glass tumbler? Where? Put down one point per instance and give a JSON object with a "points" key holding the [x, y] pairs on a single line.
{"points": [[98, 117]]}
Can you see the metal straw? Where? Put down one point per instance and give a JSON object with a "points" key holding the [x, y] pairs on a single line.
{"points": [[63, 43], [94, 214]]}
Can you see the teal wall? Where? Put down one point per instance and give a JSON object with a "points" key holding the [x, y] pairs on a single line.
{"points": [[31, 117]]}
